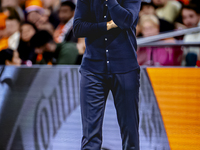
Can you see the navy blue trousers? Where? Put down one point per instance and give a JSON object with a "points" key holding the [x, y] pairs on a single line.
{"points": [[93, 95]]}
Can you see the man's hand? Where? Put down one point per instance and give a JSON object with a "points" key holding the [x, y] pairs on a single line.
{"points": [[81, 46], [111, 25]]}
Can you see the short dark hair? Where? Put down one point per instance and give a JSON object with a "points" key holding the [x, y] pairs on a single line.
{"points": [[41, 38], [70, 4], [31, 24], [147, 4], [6, 54], [191, 7]]}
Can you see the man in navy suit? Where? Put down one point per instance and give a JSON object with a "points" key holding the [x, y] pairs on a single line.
{"points": [[109, 63]]}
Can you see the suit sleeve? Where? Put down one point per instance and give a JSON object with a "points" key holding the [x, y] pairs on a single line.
{"points": [[124, 16], [83, 27]]}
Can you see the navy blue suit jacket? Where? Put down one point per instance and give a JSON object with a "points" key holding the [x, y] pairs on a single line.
{"points": [[112, 51]]}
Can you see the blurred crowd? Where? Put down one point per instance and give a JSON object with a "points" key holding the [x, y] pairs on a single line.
{"points": [[161, 16], [41, 32]]}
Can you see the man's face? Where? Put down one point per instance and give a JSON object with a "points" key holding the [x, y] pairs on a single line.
{"points": [[160, 3], [65, 14], [190, 18]]}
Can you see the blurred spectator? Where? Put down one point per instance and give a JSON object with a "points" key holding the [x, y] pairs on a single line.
{"points": [[44, 24], [64, 32], [26, 52], [14, 4], [167, 9], [191, 18], [149, 25], [27, 31], [9, 57], [149, 9], [34, 10], [190, 15], [52, 53], [53, 6], [37, 15], [12, 28], [163, 56]]}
